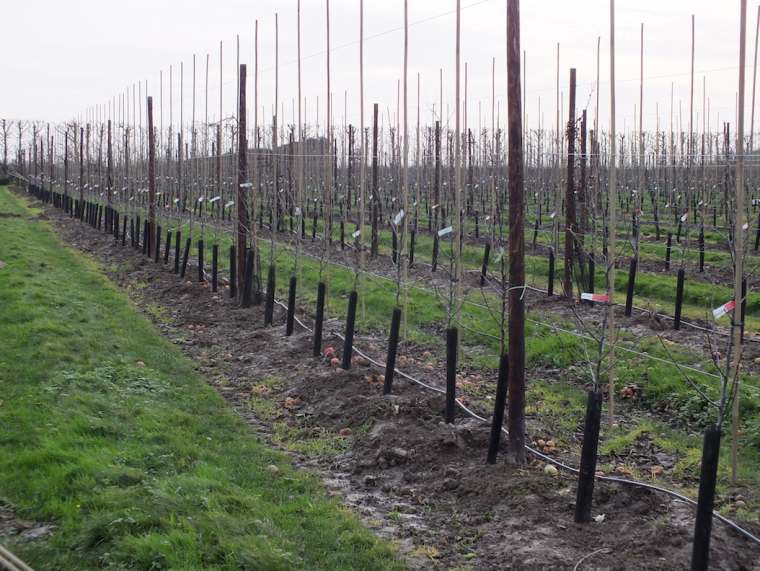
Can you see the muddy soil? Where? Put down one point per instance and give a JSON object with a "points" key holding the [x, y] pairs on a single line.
{"points": [[410, 476]]}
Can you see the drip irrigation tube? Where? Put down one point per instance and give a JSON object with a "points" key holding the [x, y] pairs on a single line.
{"points": [[548, 459], [374, 278], [535, 453]]}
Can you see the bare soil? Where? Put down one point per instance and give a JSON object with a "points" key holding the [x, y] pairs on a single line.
{"points": [[410, 476]]}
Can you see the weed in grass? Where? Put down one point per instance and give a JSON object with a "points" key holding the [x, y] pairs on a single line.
{"points": [[426, 551]]}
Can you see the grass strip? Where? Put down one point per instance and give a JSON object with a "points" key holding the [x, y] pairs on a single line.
{"points": [[137, 466]]}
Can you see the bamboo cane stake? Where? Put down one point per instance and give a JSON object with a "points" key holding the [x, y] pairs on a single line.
{"points": [[299, 166], [328, 169], [690, 146], [181, 142], [458, 188], [405, 241], [754, 83], [151, 168], [738, 326], [640, 193], [594, 153], [419, 165], [494, 156], [363, 167], [702, 152], [256, 188], [557, 158], [193, 156], [570, 229], [613, 220], [275, 172]]}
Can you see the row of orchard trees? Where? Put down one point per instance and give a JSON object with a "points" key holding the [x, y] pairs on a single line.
{"points": [[667, 184], [444, 178]]}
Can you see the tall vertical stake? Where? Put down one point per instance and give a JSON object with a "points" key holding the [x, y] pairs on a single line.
{"points": [[458, 181], [570, 193], [515, 302], [737, 324], [151, 170], [299, 162], [109, 167], [405, 235], [241, 202], [363, 167], [374, 248], [612, 201]]}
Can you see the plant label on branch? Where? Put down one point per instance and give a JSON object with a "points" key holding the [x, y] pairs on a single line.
{"points": [[215, 199], [356, 234], [553, 214], [246, 185], [230, 203], [595, 297], [723, 309], [176, 200], [684, 217], [298, 211], [445, 231], [398, 218], [201, 199], [746, 226]]}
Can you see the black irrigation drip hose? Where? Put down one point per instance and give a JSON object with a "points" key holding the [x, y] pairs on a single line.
{"points": [[375, 278], [663, 315], [546, 458]]}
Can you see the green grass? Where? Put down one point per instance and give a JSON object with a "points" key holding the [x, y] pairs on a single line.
{"points": [[137, 467]]}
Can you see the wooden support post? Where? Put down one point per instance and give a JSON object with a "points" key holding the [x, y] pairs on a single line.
{"points": [[151, 171], [516, 303], [241, 201], [374, 251], [569, 193], [737, 318]]}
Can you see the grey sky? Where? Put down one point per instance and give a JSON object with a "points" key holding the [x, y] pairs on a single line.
{"points": [[62, 59]]}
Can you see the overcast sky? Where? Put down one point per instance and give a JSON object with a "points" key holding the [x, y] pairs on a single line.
{"points": [[62, 59]]}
